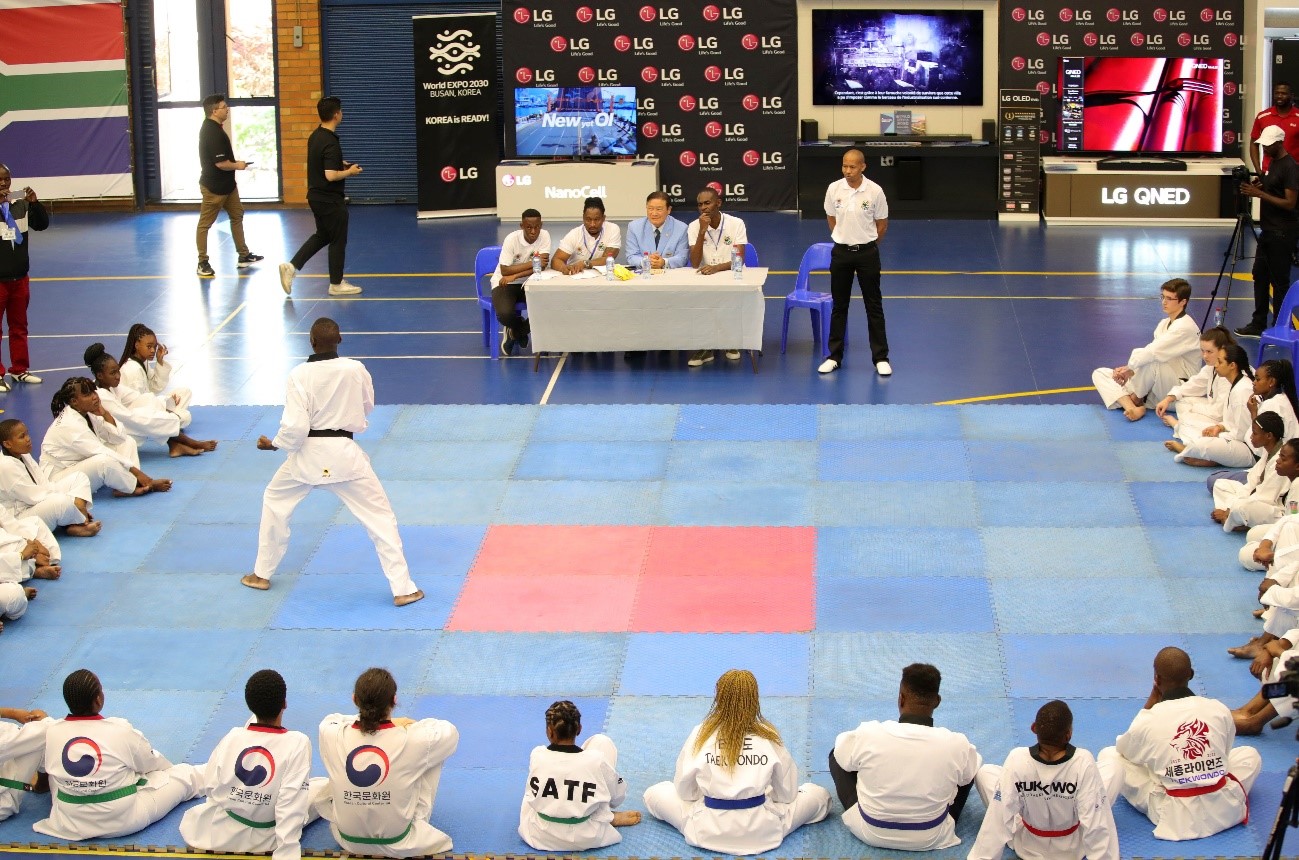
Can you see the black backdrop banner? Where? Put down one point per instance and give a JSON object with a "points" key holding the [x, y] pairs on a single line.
{"points": [[1035, 34], [716, 87], [455, 130]]}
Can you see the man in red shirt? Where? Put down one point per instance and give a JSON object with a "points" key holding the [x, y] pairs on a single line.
{"points": [[1283, 115]]}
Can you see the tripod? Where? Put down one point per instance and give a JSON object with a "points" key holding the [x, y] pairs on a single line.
{"points": [[1286, 816], [1234, 254]]}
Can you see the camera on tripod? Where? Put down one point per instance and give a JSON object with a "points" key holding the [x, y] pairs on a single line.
{"points": [[1241, 175]]}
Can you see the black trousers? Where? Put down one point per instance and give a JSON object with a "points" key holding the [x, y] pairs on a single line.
{"points": [[1271, 267], [845, 786], [505, 299], [331, 230], [863, 264]]}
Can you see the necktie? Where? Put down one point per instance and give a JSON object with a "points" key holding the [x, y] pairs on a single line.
{"points": [[13, 225], [656, 240]]}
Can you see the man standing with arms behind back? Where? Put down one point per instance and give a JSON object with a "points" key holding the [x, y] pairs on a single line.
{"points": [[217, 183], [326, 172], [20, 212], [858, 214]]}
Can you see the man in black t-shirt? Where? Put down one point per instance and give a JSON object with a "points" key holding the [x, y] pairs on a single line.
{"points": [[217, 183], [326, 172], [1277, 191]]}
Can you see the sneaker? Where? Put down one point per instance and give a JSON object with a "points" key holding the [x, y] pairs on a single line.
{"points": [[246, 260], [1253, 329], [287, 273], [28, 378], [883, 368], [733, 354], [204, 270], [828, 366], [525, 341], [507, 342], [343, 289], [700, 358], [4, 383]]}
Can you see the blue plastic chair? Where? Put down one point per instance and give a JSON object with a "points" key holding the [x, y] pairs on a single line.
{"points": [[750, 255], [484, 264], [1283, 334], [815, 258]]}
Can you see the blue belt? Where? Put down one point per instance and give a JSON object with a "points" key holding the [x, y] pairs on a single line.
{"points": [[898, 825], [742, 803]]}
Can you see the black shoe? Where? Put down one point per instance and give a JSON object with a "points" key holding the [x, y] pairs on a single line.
{"points": [[507, 342], [1253, 329], [525, 341], [246, 260], [204, 270]]}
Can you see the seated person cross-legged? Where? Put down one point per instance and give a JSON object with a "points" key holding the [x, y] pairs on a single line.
{"points": [[1152, 370]]}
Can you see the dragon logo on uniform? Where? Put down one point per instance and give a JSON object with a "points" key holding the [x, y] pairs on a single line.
{"points": [[1191, 739]]}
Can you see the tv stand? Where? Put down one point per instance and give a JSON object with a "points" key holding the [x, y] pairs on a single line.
{"points": [[1128, 163]]}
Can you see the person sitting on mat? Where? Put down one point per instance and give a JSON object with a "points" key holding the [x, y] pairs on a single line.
{"points": [[84, 437], [572, 790], [1152, 370], [28, 491]]}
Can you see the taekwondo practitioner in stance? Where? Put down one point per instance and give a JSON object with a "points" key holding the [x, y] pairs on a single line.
{"points": [[328, 400], [107, 780], [1048, 801], [1177, 761], [257, 782], [572, 790]]}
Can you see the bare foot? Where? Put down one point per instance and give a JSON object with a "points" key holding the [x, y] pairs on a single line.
{"points": [[1134, 413], [89, 529], [1169, 420], [1246, 725], [160, 485], [1174, 446], [1248, 651], [252, 580], [626, 818], [46, 571], [1258, 613], [30, 592], [178, 449], [140, 490], [407, 599], [1196, 461], [208, 444]]}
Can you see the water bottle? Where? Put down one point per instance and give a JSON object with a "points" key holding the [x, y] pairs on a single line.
{"points": [[536, 264], [1219, 315], [737, 264], [608, 268]]}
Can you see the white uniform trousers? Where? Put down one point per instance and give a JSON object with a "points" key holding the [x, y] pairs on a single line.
{"points": [[422, 839], [104, 471], [1150, 382], [177, 402], [13, 600], [364, 497], [811, 806], [1226, 452], [20, 769], [1230, 495], [163, 791], [1253, 538], [1147, 795]]}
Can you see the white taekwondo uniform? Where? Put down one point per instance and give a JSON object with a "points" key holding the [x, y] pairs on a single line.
{"points": [[328, 400], [90, 445], [570, 796], [140, 416], [382, 786], [747, 810], [1056, 810], [1180, 769], [22, 754], [1230, 448], [908, 774], [107, 781], [1171, 356], [1199, 402], [258, 794], [26, 488], [152, 379], [1255, 502]]}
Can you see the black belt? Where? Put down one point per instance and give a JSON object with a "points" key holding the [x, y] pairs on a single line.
{"points": [[861, 246], [345, 434]]}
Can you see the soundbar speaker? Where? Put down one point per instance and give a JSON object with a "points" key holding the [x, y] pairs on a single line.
{"points": [[811, 131], [990, 130]]}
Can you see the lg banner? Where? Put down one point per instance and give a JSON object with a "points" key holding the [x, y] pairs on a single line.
{"points": [[715, 95], [1131, 76], [455, 135]]}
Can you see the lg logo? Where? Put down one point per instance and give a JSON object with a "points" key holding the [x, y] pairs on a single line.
{"points": [[640, 43], [451, 173], [751, 42], [672, 190], [753, 158], [713, 74], [1043, 39], [1018, 63], [1066, 15], [653, 129], [542, 76], [1230, 39], [668, 13], [687, 103], [541, 16], [645, 105], [753, 102], [1138, 40], [585, 15], [650, 74], [1089, 39], [1221, 16], [688, 158], [729, 191], [650, 129], [586, 74]]}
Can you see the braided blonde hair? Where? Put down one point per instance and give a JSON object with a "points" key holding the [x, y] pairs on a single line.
{"points": [[735, 714]]}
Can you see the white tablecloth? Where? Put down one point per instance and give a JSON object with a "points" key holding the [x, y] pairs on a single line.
{"points": [[678, 309]]}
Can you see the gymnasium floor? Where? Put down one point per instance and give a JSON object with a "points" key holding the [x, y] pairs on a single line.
{"points": [[621, 535]]}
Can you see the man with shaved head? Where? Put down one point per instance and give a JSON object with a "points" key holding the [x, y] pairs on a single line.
{"points": [[327, 402], [1177, 760]]}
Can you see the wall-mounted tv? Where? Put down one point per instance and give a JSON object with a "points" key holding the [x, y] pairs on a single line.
{"points": [[916, 57], [568, 122], [1141, 104]]}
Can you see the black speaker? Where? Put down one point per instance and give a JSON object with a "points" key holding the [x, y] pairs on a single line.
{"points": [[990, 130], [811, 131]]}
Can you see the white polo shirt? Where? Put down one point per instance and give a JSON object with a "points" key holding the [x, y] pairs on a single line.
{"points": [[855, 211], [719, 240], [582, 247], [515, 249]]}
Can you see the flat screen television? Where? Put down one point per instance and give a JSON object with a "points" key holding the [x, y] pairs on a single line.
{"points": [[569, 122], [1151, 105], [916, 57]]}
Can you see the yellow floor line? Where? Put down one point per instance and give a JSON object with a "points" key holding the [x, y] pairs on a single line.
{"points": [[987, 397]]}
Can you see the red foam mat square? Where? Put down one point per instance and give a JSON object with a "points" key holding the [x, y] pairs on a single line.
{"points": [[563, 551], [725, 604], [523, 603], [732, 551]]}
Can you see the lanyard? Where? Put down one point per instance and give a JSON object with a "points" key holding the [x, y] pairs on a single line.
{"points": [[721, 225], [590, 252]]}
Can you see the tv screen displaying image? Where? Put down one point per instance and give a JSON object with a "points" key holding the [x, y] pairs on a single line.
{"points": [[874, 57], [574, 121], [1141, 105]]}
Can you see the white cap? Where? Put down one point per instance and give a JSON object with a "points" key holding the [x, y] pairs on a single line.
{"points": [[1272, 134]]}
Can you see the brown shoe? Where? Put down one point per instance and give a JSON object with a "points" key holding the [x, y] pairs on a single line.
{"points": [[252, 580], [407, 599]]}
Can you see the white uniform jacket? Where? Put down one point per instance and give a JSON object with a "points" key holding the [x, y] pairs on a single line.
{"points": [[325, 393], [24, 484], [70, 440], [256, 784], [139, 415], [379, 783], [22, 753], [151, 379], [1048, 810], [764, 775], [1280, 404], [1176, 343], [568, 803], [907, 773]]}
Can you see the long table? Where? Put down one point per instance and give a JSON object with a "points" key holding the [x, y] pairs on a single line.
{"points": [[677, 309]]}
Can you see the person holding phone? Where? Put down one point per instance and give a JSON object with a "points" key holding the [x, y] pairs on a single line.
{"points": [[218, 186], [20, 212]]}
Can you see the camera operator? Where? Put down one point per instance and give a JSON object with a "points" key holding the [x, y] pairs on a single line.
{"points": [[1270, 668], [1277, 191]]}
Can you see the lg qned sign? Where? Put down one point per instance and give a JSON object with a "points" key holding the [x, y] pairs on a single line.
{"points": [[574, 121], [870, 57], [1141, 105]]}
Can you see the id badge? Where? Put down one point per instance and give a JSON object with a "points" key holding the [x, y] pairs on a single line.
{"points": [[7, 233]]}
